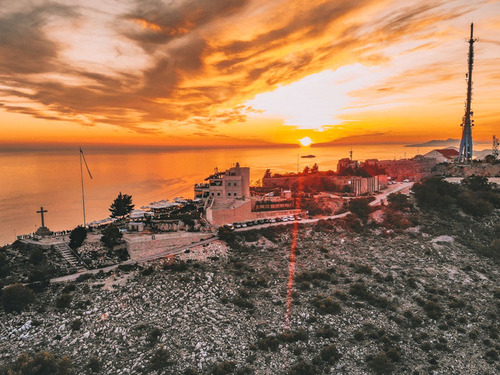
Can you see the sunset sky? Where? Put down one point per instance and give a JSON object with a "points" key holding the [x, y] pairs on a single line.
{"points": [[244, 72]]}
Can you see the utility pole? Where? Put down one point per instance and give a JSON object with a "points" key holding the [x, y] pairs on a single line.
{"points": [[466, 152], [496, 143]]}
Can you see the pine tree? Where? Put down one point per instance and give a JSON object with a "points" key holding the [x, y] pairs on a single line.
{"points": [[122, 205], [111, 236]]}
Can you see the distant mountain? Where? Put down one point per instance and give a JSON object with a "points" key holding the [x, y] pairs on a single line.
{"points": [[437, 143], [482, 154]]}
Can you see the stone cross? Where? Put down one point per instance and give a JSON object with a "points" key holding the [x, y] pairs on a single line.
{"points": [[41, 212]]}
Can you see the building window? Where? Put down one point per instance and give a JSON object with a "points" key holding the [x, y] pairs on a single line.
{"points": [[218, 194], [212, 194]]}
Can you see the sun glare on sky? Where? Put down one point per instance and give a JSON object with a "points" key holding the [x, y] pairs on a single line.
{"points": [[306, 141]]}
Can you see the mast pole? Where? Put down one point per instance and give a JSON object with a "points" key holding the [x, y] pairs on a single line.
{"points": [[83, 191]]}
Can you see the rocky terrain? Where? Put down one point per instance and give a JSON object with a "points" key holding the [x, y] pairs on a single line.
{"points": [[422, 300], [479, 169]]}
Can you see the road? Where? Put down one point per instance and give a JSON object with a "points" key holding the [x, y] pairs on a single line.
{"points": [[378, 198]]}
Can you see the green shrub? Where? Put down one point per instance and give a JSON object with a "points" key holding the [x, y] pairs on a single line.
{"points": [[37, 256], [270, 342], [360, 207], [160, 359], [16, 297], [399, 202], [41, 273], [433, 309], [94, 364], [154, 335], [353, 223], [303, 368], [64, 301], [4, 264], [473, 204], [77, 236], [76, 325], [41, 363], [223, 368], [326, 305], [330, 354], [326, 332], [380, 363], [435, 193], [111, 236]]}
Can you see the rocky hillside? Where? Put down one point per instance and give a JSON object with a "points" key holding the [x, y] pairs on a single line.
{"points": [[372, 301]]}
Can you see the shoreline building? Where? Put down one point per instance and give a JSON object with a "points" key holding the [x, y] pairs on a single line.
{"points": [[226, 199]]}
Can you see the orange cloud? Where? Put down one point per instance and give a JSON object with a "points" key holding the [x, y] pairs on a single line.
{"points": [[198, 64]]}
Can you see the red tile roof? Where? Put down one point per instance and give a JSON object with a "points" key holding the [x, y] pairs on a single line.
{"points": [[449, 153]]}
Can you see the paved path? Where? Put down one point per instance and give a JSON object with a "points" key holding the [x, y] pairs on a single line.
{"points": [[163, 254]]}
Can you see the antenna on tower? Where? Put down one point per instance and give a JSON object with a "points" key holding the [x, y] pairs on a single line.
{"points": [[350, 154], [496, 143], [466, 152]]}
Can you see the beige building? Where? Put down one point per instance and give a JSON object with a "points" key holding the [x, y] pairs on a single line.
{"points": [[227, 200], [233, 183], [368, 185]]}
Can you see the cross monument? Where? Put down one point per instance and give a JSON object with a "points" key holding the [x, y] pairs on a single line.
{"points": [[41, 212]]}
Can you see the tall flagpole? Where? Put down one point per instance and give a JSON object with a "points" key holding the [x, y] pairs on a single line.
{"points": [[82, 156], [83, 191]]}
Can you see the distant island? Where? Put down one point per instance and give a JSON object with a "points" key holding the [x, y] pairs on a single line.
{"points": [[308, 156], [437, 143]]}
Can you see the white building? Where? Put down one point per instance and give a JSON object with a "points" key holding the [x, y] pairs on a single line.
{"points": [[446, 155]]}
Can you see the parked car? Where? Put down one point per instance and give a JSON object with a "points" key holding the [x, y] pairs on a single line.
{"points": [[243, 225], [272, 220], [278, 219], [237, 225]]}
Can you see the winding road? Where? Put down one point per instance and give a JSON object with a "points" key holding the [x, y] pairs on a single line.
{"points": [[378, 198]]}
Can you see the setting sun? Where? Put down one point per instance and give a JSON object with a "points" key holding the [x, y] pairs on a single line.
{"points": [[306, 141]]}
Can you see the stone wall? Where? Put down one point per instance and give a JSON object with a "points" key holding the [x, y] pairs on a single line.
{"points": [[145, 245]]}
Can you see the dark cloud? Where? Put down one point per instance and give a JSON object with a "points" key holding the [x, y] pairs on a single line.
{"points": [[164, 21], [306, 24], [24, 45]]}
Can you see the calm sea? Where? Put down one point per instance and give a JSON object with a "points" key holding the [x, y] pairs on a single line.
{"points": [[52, 179]]}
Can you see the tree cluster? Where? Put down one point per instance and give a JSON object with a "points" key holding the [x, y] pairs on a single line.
{"points": [[41, 363], [111, 236], [475, 195], [16, 297]]}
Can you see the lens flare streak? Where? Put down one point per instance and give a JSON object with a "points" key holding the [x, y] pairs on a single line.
{"points": [[291, 262]]}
